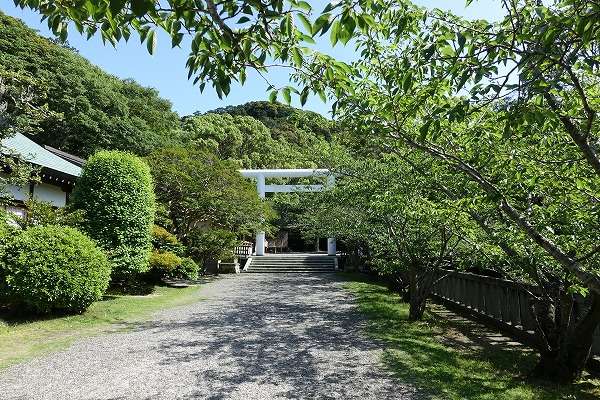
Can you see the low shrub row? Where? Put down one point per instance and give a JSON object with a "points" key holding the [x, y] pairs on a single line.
{"points": [[60, 261], [47, 266], [167, 260], [166, 265]]}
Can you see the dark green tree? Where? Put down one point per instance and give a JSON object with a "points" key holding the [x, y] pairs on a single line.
{"points": [[202, 192], [116, 194]]}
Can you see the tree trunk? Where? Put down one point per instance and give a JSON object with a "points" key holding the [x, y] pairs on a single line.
{"points": [[568, 346], [416, 307], [419, 288]]}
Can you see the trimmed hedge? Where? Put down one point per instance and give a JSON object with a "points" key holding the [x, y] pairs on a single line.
{"points": [[167, 265], [188, 269], [163, 264], [164, 240], [115, 191], [51, 268]]}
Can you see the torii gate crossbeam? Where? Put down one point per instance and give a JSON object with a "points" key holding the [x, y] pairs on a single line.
{"points": [[262, 188]]}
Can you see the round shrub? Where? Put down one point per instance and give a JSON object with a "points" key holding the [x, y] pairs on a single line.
{"points": [[163, 265], [167, 265], [188, 269], [116, 193], [165, 241], [51, 268]]}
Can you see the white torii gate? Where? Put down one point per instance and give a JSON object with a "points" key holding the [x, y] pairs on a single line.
{"points": [[262, 174]]}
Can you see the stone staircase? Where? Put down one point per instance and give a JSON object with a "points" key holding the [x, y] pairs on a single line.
{"points": [[290, 263]]}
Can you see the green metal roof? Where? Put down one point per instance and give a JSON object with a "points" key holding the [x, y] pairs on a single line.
{"points": [[36, 154]]}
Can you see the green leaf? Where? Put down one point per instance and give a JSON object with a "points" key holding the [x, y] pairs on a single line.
{"points": [[115, 6], [273, 96], [141, 7], [176, 39], [286, 95], [303, 5], [321, 94], [463, 80], [461, 40], [151, 41], [243, 20], [424, 130], [306, 23], [320, 24], [297, 56], [304, 95], [333, 34], [407, 81]]}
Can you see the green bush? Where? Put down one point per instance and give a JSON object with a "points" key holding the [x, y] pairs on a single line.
{"points": [[116, 193], [44, 213], [163, 264], [165, 241], [51, 268], [7, 230], [167, 265], [188, 269], [212, 244]]}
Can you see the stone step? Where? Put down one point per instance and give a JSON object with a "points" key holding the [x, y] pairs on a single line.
{"points": [[291, 263], [291, 259], [291, 266], [285, 270]]}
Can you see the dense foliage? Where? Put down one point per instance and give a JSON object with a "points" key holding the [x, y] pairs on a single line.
{"points": [[116, 194], [164, 240], [163, 264], [167, 260], [259, 134], [74, 105], [497, 119], [44, 213], [50, 268], [201, 190], [205, 197], [212, 244], [291, 124], [507, 109]]}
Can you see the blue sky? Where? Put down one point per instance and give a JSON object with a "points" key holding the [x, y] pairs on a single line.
{"points": [[165, 70]]}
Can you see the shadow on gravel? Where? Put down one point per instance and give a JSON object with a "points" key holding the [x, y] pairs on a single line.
{"points": [[280, 340]]}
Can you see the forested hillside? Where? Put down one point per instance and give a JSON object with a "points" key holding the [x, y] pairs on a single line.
{"points": [[259, 134], [87, 109], [296, 126], [92, 109]]}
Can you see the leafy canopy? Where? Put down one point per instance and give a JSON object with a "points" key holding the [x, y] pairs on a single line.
{"points": [[51, 91], [203, 192]]}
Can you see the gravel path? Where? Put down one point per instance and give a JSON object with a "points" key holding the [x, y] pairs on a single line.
{"points": [[253, 336]]}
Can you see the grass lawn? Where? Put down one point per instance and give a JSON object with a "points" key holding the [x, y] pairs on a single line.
{"points": [[428, 355], [23, 339]]}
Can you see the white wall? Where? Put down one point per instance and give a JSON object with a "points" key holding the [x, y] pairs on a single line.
{"points": [[18, 192], [50, 194]]}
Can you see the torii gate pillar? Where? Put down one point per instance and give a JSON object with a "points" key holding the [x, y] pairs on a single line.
{"points": [[260, 236], [331, 247]]}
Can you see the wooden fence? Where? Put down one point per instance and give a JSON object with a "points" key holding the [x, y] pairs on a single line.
{"points": [[503, 302], [244, 250]]}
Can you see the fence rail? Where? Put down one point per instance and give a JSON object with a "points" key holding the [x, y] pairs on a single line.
{"points": [[244, 250], [505, 302]]}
